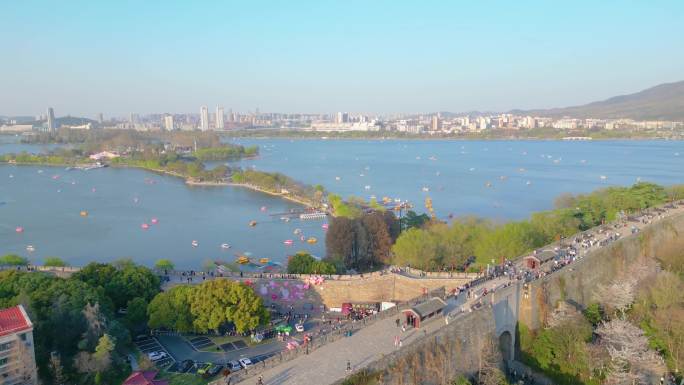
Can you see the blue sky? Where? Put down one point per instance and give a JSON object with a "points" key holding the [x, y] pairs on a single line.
{"points": [[83, 57]]}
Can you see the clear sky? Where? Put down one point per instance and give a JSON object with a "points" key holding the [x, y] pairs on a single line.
{"points": [[83, 57]]}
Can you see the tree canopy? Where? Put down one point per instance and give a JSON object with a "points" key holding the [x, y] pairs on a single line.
{"points": [[209, 306], [305, 263]]}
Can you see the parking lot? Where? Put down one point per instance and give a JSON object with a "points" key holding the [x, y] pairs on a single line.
{"points": [[201, 343], [235, 345], [149, 344]]}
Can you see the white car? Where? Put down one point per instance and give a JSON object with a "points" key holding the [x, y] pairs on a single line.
{"points": [[299, 327], [154, 356], [246, 362]]}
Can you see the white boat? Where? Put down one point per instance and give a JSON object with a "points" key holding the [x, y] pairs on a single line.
{"points": [[603, 177], [194, 243], [225, 246], [367, 187], [528, 183], [30, 248], [337, 178], [425, 189], [472, 169]]}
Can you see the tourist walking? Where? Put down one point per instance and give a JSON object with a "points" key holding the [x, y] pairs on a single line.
{"points": [[260, 381], [348, 366]]}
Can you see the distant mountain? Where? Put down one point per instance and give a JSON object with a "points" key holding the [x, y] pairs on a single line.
{"points": [[662, 102]]}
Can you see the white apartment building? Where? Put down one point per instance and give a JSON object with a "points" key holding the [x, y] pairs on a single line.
{"points": [[17, 359]]}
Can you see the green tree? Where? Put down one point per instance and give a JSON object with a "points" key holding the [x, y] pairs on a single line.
{"points": [[136, 313], [171, 309], [218, 302], [103, 352], [13, 260], [415, 247], [55, 262], [305, 263], [413, 220], [164, 264]]}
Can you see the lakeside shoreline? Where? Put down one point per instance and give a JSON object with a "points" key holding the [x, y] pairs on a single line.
{"points": [[337, 136], [188, 180]]}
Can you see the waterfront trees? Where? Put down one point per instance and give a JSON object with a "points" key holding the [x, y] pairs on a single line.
{"points": [[363, 242], [121, 281], [304, 263], [164, 264], [55, 262], [13, 260]]}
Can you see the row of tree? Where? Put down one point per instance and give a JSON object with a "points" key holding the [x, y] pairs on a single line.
{"points": [[436, 245]]}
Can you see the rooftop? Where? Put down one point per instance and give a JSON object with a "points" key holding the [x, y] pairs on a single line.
{"points": [[144, 378], [13, 320], [428, 307]]}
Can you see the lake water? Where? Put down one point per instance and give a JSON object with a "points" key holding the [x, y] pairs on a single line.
{"points": [[456, 173], [496, 179]]}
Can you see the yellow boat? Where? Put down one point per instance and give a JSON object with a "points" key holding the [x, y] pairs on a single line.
{"points": [[242, 260], [312, 240], [263, 260], [84, 213]]}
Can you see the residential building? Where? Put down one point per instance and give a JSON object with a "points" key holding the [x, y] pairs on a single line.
{"points": [[168, 122], [435, 123], [17, 360], [51, 124], [100, 118], [219, 118], [204, 118]]}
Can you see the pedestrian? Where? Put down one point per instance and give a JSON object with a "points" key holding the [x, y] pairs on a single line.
{"points": [[260, 381], [396, 341], [403, 328], [398, 322], [348, 366], [400, 343]]}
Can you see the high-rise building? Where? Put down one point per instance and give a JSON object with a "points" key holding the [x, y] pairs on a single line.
{"points": [[51, 124], [168, 122], [435, 123], [17, 359], [100, 118], [204, 118], [219, 118]]}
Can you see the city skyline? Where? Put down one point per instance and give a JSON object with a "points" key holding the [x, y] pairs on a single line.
{"points": [[383, 57]]}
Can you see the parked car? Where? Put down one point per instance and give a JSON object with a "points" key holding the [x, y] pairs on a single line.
{"points": [[154, 356], [299, 327], [234, 366], [246, 362], [214, 370], [203, 368], [185, 365]]}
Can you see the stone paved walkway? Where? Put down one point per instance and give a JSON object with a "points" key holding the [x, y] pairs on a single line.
{"points": [[328, 363]]}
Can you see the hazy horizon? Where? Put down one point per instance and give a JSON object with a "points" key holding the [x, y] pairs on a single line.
{"points": [[83, 58]]}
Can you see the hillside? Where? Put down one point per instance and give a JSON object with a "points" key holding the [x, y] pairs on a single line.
{"points": [[662, 102]]}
